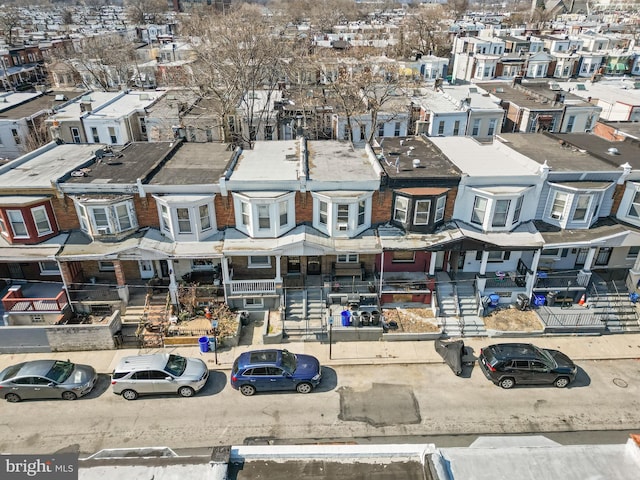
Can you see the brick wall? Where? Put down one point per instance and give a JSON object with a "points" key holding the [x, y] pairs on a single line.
{"points": [[304, 207], [617, 198], [225, 215], [381, 207], [607, 132], [65, 212], [146, 211]]}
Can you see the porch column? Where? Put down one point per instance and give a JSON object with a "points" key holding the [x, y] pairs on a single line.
{"points": [[531, 280], [123, 289], [173, 285], [633, 278], [585, 274], [278, 278], [65, 273], [432, 263], [381, 273], [483, 265], [226, 279]]}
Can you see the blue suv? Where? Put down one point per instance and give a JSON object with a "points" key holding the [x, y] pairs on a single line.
{"points": [[268, 370]]}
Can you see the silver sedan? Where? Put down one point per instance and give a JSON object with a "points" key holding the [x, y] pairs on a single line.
{"points": [[46, 379]]}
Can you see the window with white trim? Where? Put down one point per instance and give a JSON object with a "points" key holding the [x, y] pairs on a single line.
{"points": [[347, 258], [421, 212], [343, 213], [264, 220], [165, 218], [264, 215], [558, 205], [254, 302], [582, 207], [106, 218], [49, 268], [403, 256], [632, 253], [41, 220], [246, 213], [400, 210], [3, 226], [518, 209], [106, 266], [479, 210], [122, 213], [500, 213], [362, 212], [17, 224], [205, 218], [184, 220], [259, 261], [283, 208], [338, 215], [492, 127], [440, 205], [634, 209], [322, 211], [476, 127]]}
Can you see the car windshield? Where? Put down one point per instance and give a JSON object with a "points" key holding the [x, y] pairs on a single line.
{"points": [[176, 365], [548, 358], [288, 361], [10, 372], [60, 371]]}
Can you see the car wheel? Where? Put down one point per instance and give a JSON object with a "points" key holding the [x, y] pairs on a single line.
{"points": [[507, 383], [69, 396], [186, 392], [304, 387], [12, 397], [247, 390], [561, 382], [130, 394]]}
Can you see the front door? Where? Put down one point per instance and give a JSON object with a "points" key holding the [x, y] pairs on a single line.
{"points": [[603, 256], [146, 268], [313, 265], [293, 264], [581, 257], [15, 271], [164, 269]]}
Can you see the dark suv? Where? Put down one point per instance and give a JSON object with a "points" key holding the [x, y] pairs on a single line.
{"points": [[507, 364], [265, 370]]}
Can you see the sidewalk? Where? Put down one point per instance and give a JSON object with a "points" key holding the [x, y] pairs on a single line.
{"points": [[578, 348]]}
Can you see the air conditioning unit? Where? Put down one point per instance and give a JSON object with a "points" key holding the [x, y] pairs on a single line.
{"points": [[343, 227], [104, 231]]}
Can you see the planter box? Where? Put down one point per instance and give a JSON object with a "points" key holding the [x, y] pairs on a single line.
{"points": [[352, 334], [408, 337], [511, 333]]}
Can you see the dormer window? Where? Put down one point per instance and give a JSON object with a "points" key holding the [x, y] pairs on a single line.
{"points": [[419, 209], [574, 204], [496, 209], [186, 218], [342, 213], [26, 219], [264, 214], [106, 216]]}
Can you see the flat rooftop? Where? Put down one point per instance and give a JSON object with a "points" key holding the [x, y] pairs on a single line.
{"points": [[269, 160], [32, 106], [194, 164], [124, 165], [396, 156], [607, 90], [333, 160], [481, 160], [38, 172], [575, 152], [72, 110], [507, 93], [630, 129], [132, 101]]}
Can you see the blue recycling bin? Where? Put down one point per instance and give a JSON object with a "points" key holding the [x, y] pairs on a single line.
{"points": [[204, 344], [346, 318], [495, 299], [539, 300]]}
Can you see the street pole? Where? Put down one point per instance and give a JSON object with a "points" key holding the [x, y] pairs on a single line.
{"points": [[330, 328]]}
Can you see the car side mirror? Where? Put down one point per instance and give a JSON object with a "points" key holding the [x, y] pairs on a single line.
{"points": [[286, 375], [52, 385], [168, 378]]}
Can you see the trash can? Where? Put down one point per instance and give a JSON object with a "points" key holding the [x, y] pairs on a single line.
{"points": [[346, 318], [522, 301], [633, 296], [204, 344], [539, 300], [551, 298], [212, 344], [495, 299]]}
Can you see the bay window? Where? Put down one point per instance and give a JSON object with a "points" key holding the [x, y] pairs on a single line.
{"points": [[17, 224], [104, 217], [340, 213], [479, 210], [41, 220], [264, 214], [400, 211], [186, 217]]}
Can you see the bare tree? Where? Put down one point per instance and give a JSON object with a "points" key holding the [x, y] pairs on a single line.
{"points": [[9, 20], [423, 33], [140, 12], [458, 7]]}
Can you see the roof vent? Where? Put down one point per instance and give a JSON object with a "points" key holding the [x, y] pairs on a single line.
{"points": [[416, 162], [613, 151]]}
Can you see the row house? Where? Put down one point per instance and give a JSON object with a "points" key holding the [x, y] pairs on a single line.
{"points": [[542, 106], [21, 67], [23, 118], [618, 100]]}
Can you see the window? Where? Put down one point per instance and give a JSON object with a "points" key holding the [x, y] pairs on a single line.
{"points": [[421, 212], [202, 264], [184, 220], [557, 207], [634, 210], [17, 223], [572, 119], [246, 218], [94, 134], [403, 257], [100, 219], [259, 261], [582, 206], [255, 302], [264, 222], [361, 212], [343, 213], [347, 258], [75, 134], [112, 135], [440, 204], [492, 127], [124, 221], [268, 132], [396, 131], [164, 213], [205, 219], [106, 266], [3, 226], [345, 132], [49, 268], [500, 213], [441, 127], [456, 127], [476, 127], [479, 209], [284, 214], [323, 213], [632, 254], [381, 129], [400, 211], [41, 220], [516, 212], [363, 133]]}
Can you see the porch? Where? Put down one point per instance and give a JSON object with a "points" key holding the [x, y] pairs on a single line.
{"points": [[35, 297]]}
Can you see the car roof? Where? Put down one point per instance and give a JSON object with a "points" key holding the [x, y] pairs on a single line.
{"points": [[142, 362], [35, 367], [259, 357], [504, 351]]}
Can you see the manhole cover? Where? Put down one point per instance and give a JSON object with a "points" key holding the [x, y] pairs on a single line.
{"points": [[620, 383]]}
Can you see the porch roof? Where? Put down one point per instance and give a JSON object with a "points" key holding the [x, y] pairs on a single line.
{"points": [[394, 238], [45, 251], [525, 236], [301, 241], [605, 232]]}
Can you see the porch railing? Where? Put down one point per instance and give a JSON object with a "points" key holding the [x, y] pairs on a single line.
{"points": [[252, 286], [12, 303], [569, 320]]}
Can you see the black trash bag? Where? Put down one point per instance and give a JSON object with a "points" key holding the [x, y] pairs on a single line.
{"points": [[452, 353]]}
